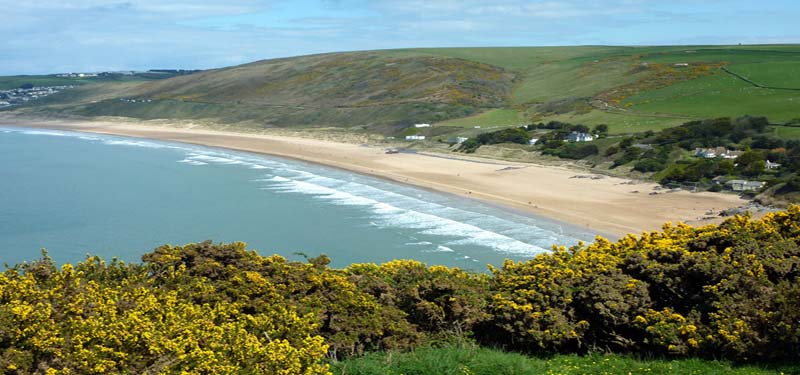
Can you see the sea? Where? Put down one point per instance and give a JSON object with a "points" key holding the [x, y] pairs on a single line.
{"points": [[78, 194]]}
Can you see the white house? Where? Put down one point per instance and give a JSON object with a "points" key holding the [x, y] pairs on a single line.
{"points": [[422, 125], [415, 138], [770, 165], [744, 185], [533, 141], [716, 152], [579, 137]]}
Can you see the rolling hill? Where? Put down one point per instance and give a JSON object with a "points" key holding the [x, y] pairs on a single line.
{"points": [[631, 89]]}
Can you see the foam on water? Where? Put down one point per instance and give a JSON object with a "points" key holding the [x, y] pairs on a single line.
{"points": [[44, 132], [410, 215]]}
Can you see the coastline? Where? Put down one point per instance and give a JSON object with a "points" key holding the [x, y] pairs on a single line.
{"points": [[607, 206]]}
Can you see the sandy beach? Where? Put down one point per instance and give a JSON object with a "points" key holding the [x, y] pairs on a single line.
{"points": [[610, 206]]}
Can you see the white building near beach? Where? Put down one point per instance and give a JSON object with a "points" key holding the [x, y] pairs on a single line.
{"points": [[579, 137]]}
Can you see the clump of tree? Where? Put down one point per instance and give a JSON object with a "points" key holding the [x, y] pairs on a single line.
{"points": [[571, 150], [727, 291], [508, 135]]}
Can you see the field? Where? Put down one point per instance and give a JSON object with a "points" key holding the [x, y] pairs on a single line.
{"points": [[494, 117], [13, 82], [467, 360], [787, 132], [631, 89]]}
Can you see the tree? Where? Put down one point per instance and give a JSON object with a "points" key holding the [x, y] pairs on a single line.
{"points": [[601, 130], [751, 163]]}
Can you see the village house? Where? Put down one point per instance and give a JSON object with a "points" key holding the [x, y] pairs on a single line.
{"points": [[716, 152], [415, 138], [770, 165], [533, 141], [744, 185], [579, 137], [457, 140], [422, 125]]}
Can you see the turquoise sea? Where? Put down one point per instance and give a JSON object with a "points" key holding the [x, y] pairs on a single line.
{"points": [[76, 194]]}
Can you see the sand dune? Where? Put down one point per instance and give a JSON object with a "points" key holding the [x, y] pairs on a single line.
{"points": [[609, 206]]}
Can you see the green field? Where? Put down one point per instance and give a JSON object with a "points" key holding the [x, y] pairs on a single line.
{"points": [[718, 95], [494, 117], [631, 89], [773, 74], [13, 82], [787, 132], [619, 123], [473, 360]]}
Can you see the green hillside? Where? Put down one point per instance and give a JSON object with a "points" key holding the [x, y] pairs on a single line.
{"points": [[632, 89]]}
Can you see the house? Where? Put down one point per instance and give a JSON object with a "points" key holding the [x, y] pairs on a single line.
{"points": [[415, 138], [744, 185], [533, 141], [682, 65], [579, 137], [770, 165], [422, 125], [716, 152], [457, 140]]}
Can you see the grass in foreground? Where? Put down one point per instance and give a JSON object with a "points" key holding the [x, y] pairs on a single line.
{"points": [[470, 359]]}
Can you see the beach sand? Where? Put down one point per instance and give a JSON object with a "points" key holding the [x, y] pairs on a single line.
{"points": [[608, 205]]}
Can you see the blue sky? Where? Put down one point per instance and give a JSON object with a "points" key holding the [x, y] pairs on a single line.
{"points": [[50, 36]]}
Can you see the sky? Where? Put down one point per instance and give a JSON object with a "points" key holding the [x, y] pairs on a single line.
{"points": [[55, 36]]}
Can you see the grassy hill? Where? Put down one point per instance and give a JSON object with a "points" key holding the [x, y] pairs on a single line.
{"points": [[632, 89]]}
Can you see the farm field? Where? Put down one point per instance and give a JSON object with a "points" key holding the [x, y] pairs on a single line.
{"points": [[619, 123], [787, 132], [494, 117], [718, 95]]}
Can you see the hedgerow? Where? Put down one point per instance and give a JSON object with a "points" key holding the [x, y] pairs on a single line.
{"points": [[727, 291]]}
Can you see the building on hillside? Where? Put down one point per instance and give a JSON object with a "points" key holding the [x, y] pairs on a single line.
{"points": [[457, 140], [770, 165], [744, 185], [579, 137], [716, 152], [415, 138], [422, 125], [533, 141]]}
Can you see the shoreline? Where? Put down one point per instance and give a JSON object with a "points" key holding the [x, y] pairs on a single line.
{"points": [[607, 206]]}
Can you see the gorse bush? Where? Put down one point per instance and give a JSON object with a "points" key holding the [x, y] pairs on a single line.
{"points": [[727, 291], [97, 318]]}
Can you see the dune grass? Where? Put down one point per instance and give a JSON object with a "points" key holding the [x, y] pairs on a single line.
{"points": [[467, 359]]}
